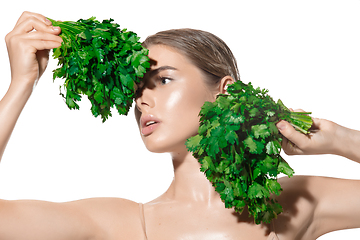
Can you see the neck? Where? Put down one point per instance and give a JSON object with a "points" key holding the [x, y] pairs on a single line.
{"points": [[190, 184]]}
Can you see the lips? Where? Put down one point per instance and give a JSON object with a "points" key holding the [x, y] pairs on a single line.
{"points": [[148, 124]]}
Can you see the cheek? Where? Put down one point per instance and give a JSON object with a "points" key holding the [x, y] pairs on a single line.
{"points": [[137, 115], [173, 101], [182, 110]]}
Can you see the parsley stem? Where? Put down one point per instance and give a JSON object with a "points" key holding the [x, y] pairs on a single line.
{"points": [[251, 177], [69, 26]]}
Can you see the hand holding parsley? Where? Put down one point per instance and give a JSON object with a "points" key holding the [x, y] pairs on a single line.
{"points": [[326, 137], [238, 146], [101, 61]]}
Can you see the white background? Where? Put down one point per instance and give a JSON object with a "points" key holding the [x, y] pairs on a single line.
{"points": [[305, 52]]}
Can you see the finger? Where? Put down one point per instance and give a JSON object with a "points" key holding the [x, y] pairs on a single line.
{"points": [[290, 148], [316, 123], [44, 45], [291, 134], [33, 23], [42, 36], [50, 35], [27, 14], [34, 41]]}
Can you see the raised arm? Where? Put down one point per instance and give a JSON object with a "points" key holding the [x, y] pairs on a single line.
{"points": [[28, 47], [96, 218], [327, 204]]}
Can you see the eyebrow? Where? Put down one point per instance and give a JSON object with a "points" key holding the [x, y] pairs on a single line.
{"points": [[162, 68]]}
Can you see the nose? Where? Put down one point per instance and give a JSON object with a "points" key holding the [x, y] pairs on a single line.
{"points": [[145, 98]]}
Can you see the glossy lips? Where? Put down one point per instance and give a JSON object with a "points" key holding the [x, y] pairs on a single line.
{"points": [[148, 124]]}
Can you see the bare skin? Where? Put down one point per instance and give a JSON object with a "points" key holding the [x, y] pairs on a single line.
{"points": [[172, 94]]}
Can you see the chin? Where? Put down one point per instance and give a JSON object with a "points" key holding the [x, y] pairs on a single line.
{"points": [[163, 146], [155, 149]]}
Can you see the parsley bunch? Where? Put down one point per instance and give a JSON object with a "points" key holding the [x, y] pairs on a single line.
{"points": [[238, 146], [102, 61]]}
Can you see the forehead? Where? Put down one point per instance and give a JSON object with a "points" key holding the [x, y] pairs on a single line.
{"points": [[161, 55]]}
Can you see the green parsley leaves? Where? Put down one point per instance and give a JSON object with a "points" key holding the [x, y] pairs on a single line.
{"points": [[238, 146], [101, 61]]}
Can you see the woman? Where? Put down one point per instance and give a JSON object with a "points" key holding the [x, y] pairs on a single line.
{"points": [[182, 77]]}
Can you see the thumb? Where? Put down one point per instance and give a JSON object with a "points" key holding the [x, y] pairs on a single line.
{"points": [[293, 136], [290, 133]]}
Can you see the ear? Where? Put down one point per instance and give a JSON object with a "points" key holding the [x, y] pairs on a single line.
{"points": [[224, 82]]}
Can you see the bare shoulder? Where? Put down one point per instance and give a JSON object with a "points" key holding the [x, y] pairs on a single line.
{"points": [[118, 218]]}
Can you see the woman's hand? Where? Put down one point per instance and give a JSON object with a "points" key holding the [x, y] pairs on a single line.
{"points": [[326, 137], [320, 141], [28, 46]]}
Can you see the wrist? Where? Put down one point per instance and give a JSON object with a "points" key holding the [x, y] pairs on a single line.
{"points": [[21, 88], [348, 141], [11, 106], [15, 98]]}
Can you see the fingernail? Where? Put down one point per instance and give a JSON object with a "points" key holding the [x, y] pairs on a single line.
{"points": [[281, 126], [56, 28], [47, 21]]}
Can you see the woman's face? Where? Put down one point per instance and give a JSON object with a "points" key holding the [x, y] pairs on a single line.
{"points": [[169, 100]]}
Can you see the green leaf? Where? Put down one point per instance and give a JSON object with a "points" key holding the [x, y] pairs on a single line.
{"points": [[257, 191], [231, 137], [250, 143], [56, 52], [269, 166], [285, 168], [127, 81], [253, 112], [214, 147], [222, 102], [240, 206], [203, 129], [270, 113], [273, 186], [254, 146], [273, 129], [99, 96], [193, 142], [260, 131], [273, 147], [229, 193]]}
